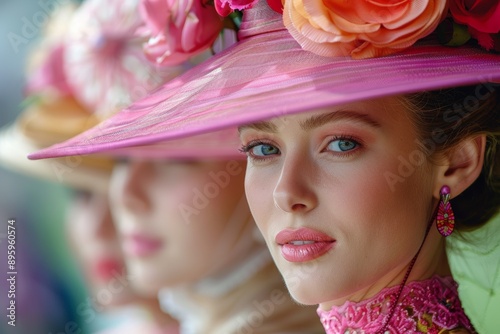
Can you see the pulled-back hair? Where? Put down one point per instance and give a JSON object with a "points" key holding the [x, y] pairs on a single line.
{"points": [[444, 118]]}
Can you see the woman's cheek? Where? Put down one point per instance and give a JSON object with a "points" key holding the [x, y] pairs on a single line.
{"points": [[259, 190]]}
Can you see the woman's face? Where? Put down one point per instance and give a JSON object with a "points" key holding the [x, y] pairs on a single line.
{"points": [[94, 240], [179, 221], [342, 197]]}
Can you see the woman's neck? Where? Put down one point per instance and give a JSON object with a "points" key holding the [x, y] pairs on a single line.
{"points": [[431, 261], [261, 295], [211, 301]]}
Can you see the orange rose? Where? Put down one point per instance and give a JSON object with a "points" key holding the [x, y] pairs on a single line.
{"points": [[361, 28]]}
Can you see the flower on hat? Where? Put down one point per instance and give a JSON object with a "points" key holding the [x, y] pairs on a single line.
{"points": [[104, 61], [178, 30], [45, 62], [358, 28], [482, 17], [226, 7], [361, 29]]}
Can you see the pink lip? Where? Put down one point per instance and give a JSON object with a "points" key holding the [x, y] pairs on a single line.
{"points": [[106, 268], [304, 244], [141, 245]]}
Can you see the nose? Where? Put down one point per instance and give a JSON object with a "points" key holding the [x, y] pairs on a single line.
{"points": [[104, 228], [129, 184], [295, 191]]}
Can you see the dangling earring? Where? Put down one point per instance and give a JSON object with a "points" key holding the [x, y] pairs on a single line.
{"points": [[445, 219]]}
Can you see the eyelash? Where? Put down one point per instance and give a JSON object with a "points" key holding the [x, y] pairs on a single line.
{"points": [[246, 148], [347, 154]]}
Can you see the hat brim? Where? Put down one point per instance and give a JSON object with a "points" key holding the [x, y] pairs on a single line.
{"points": [[268, 75], [14, 146], [220, 145]]}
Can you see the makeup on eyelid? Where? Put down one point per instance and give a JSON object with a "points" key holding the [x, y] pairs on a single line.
{"points": [[315, 121]]}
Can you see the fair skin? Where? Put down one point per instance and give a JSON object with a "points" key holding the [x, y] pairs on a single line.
{"points": [[180, 221], [327, 171], [92, 235], [94, 240]]}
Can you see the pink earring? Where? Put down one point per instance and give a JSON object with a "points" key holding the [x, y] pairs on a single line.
{"points": [[445, 220]]}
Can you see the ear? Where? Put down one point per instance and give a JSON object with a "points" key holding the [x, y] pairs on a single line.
{"points": [[461, 165]]}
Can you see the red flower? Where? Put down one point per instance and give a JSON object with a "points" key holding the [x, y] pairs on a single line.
{"points": [[482, 17], [226, 7], [276, 5]]}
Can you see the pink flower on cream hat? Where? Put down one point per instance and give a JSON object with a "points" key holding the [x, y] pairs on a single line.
{"points": [[103, 57]]}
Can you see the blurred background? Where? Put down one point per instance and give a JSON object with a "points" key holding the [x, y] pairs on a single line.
{"points": [[49, 287]]}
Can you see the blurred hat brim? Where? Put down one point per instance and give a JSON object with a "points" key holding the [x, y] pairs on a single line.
{"points": [[72, 172], [46, 121]]}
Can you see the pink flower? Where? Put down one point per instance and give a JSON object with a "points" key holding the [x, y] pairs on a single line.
{"points": [[50, 74], [482, 18], [178, 30], [226, 7], [359, 28]]}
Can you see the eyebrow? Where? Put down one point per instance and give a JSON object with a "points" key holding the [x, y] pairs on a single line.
{"points": [[316, 121]]}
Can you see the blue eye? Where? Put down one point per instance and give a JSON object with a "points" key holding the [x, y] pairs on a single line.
{"points": [[342, 145], [259, 149], [263, 150]]}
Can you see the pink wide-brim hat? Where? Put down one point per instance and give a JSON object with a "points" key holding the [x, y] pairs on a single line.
{"points": [[267, 74]]}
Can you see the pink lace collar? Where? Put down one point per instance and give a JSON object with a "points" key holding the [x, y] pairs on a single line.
{"points": [[425, 307]]}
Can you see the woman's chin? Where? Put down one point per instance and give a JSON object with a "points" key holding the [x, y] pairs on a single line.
{"points": [[305, 297]]}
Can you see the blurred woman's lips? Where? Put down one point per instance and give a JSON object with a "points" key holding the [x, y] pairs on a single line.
{"points": [[107, 268], [141, 245]]}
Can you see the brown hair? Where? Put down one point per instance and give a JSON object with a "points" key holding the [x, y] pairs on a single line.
{"points": [[443, 119]]}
